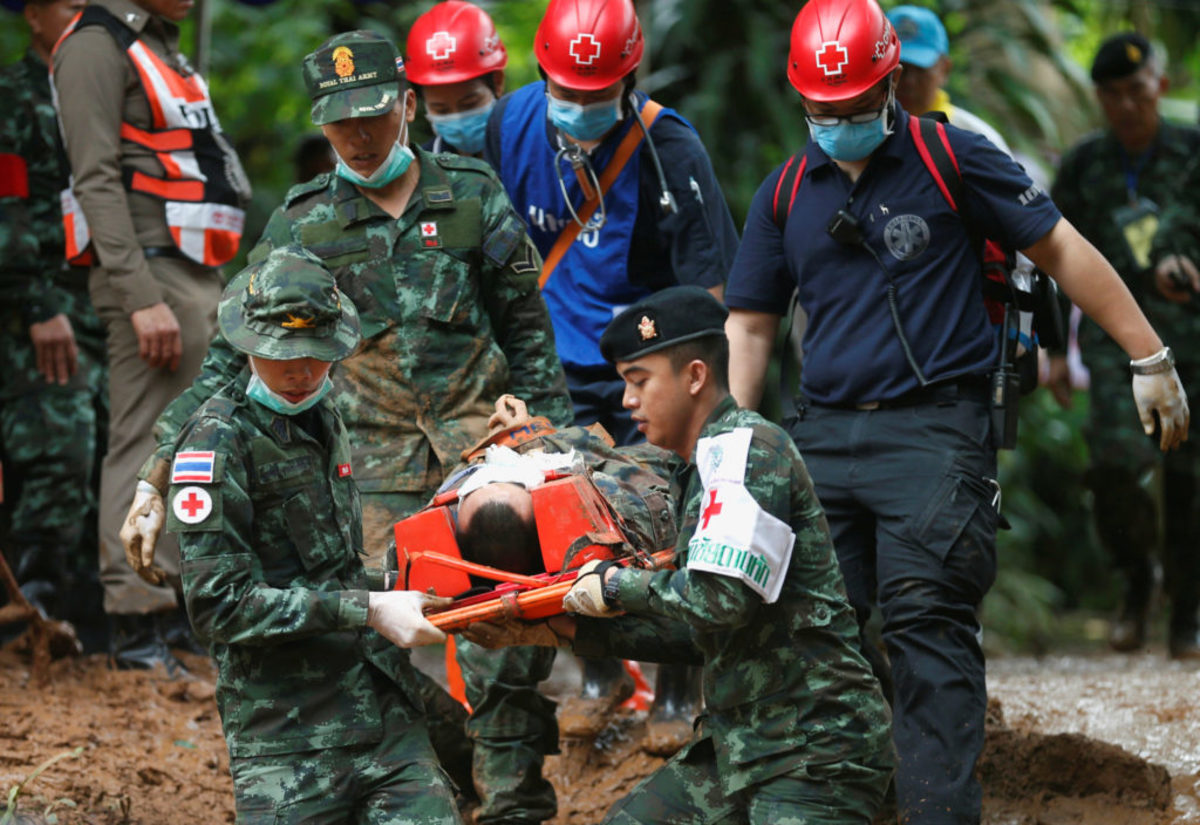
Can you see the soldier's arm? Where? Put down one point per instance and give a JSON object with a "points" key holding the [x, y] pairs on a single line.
{"points": [[25, 268], [710, 601], [221, 365], [228, 598], [641, 638], [519, 317]]}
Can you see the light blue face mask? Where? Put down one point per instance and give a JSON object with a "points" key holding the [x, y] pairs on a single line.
{"points": [[853, 141], [465, 131], [393, 166], [582, 122], [260, 392]]}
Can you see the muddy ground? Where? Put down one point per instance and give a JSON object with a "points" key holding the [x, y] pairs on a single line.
{"points": [[1092, 739]]}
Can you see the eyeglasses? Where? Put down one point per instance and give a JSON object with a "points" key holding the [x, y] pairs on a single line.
{"points": [[856, 118]]}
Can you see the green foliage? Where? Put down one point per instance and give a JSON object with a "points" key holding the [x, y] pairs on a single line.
{"points": [[1050, 559]]}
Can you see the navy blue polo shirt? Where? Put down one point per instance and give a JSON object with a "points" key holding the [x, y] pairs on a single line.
{"points": [[851, 351]]}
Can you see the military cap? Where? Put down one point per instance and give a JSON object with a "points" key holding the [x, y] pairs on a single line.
{"points": [[664, 319], [356, 74], [1120, 56], [288, 306]]}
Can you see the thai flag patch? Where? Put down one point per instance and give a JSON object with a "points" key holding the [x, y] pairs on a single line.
{"points": [[194, 467]]}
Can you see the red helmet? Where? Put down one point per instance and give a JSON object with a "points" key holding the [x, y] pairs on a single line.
{"points": [[452, 42], [589, 44], [841, 48]]}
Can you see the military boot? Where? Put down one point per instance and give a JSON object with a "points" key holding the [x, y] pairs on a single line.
{"points": [[606, 684], [1128, 631], [676, 703], [1184, 639], [136, 643]]}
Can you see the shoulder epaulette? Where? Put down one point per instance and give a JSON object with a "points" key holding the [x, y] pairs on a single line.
{"points": [[222, 404], [464, 162], [301, 190]]}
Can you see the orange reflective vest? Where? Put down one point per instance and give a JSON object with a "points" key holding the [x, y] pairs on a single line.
{"points": [[202, 205]]}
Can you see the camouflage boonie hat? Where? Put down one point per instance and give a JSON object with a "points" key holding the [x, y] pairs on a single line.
{"points": [[288, 306], [355, 74]]}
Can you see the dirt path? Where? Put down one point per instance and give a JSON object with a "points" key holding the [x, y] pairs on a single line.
{"points": [[1101, 740]]}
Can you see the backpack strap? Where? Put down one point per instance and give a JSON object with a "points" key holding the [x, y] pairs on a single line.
{"points": [[934, 148], [786, 188]]}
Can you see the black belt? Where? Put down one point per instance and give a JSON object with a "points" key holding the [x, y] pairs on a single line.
{"points": [[163, 252], [973, 387]]}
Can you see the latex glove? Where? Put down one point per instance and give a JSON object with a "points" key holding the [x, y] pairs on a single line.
{"points": [[140, 531], [510, 412], [586, 596], [515, 633], [1162, 393], [399, 616], [1177, 278]]}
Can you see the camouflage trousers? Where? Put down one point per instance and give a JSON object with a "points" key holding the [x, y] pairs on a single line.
{"points": [[1127, 514], [394, 780], [513, 727], [687, 791], [50, 436]]}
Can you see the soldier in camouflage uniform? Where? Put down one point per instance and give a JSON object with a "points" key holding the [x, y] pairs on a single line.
{"points": [[445, 279], [1114, 186], [796, 729], [320, 706], [53, 408]]}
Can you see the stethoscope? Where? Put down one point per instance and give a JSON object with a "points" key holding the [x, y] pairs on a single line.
{"points": [[589, 182]]}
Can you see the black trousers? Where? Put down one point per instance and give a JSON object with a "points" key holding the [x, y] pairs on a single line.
{"points": [[909, 493]]}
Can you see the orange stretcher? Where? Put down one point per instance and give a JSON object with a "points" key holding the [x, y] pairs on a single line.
{"points": [[575, 525]]}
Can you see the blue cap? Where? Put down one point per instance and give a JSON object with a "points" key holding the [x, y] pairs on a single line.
{"points": [[923, 39]]}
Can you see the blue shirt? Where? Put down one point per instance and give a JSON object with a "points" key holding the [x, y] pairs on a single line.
{"points": [[852, 352], [695, 245]]}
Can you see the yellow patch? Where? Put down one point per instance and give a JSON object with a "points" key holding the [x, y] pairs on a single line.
{"points": [[296, 322], [1133, 53], [343, 61], [647, 329]]}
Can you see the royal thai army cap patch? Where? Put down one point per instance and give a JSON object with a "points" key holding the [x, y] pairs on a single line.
{"points": [[355, 74]]}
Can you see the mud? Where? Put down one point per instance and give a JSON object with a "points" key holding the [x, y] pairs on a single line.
{"points": [[1093, 740]]}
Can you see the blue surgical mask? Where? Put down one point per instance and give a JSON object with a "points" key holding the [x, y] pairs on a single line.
{"points": [[584, 122], [848, 141], [465, 131], [260, 392], [393, 166]]}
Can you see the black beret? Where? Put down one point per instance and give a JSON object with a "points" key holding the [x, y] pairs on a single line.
{"points": [[664, 319], [1120, 56]]}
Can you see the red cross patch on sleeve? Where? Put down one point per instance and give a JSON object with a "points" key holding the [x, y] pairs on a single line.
{"points": [[344, 471]]}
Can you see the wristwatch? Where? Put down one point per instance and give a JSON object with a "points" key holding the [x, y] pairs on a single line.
{"points": [[1161, 361], [612, 588]]}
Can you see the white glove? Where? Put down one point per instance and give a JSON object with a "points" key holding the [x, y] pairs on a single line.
{"points": [[139, 532], [399, 617], [1162, 393], [586, 596]]}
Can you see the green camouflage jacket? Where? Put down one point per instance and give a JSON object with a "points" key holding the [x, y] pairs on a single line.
{"points": [[784, 682], [31, 231], [270, 533], [1133, 227], [451, 317]]}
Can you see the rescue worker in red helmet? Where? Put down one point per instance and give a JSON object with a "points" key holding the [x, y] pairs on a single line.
{"points": [[456, 64], [895, 426], [661, 221]]}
